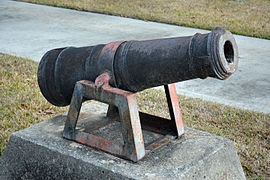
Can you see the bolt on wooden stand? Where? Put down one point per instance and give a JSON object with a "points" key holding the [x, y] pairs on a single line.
{"points": [[123, 108]]}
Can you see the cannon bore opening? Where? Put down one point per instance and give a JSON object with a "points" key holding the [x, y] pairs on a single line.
{"points": [[228, 52]]}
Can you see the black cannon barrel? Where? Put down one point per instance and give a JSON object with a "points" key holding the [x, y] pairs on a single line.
{"points": [[138, 65]]}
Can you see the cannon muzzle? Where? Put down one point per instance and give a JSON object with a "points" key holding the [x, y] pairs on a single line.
{"points": [[138, 65]]}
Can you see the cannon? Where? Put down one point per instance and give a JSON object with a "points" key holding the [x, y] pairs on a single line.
{"points": [[113, 73]]}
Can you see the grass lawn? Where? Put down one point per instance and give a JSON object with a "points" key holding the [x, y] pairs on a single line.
{"points": [[21, 105], [251, 17]]}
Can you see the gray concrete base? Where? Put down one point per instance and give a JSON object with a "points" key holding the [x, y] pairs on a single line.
{"points": [[39, 152]]}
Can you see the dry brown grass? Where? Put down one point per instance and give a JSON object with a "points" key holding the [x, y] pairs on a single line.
{"points": [[247, 129], [251, 18], [21, 102], [21, 105]]}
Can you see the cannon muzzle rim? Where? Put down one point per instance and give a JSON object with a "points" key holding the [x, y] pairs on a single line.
{"points": [[224, 50]]}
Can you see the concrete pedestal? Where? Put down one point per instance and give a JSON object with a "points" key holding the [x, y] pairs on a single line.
{"points": [[40, 152]]}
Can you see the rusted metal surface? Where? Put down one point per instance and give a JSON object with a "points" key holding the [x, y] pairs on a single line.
{"points": [[138, 65], [158, 143], [98, 143], [174, 108], [123, 107]]}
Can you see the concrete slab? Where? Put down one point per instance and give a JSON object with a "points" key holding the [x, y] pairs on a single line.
{"points": [[30, 30], [39, 152]]}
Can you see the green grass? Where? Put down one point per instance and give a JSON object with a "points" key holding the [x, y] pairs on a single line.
{"points": [[22, 105], [251, 17]]}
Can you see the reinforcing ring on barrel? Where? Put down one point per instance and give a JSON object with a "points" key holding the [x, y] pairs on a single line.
{"points": [[123, 108]]}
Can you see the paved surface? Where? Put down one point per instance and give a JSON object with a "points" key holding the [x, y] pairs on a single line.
{"points": [[30, 30]]}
